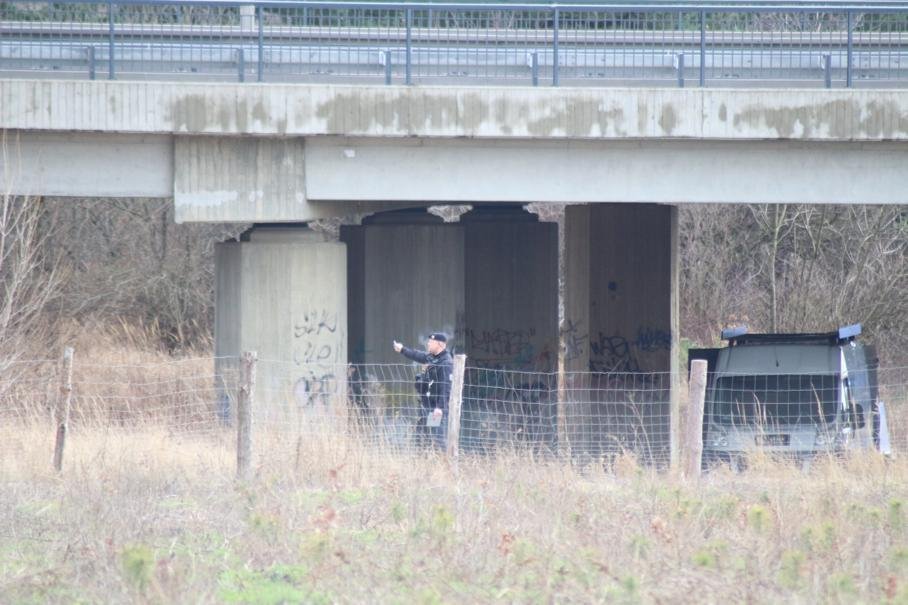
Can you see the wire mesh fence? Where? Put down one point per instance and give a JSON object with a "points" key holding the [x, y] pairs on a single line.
{"points": [[800, 415], [584, 416], [816, 44]]}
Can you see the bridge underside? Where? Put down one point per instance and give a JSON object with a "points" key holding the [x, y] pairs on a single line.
{"points": [[491, 281]]}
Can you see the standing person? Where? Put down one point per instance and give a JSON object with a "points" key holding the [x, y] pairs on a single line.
{"points": [[435, 386]]}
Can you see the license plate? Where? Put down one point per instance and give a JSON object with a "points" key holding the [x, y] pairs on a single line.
{"points": [[772, 439]]}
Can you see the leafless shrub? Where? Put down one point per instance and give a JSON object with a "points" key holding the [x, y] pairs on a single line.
{"points": [[796, 268], [131, 263]]}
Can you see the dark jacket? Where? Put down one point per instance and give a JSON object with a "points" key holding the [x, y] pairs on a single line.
{"points": [[437, 378]]}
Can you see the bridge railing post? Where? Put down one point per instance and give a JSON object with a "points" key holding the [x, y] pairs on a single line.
{"points": [[409, 60], [111, 8], [386, 62], [90, 55], [827, 70], [260, 67], [679, 64], [534, 67], [556, 17], [702, 48], [849, 70]]}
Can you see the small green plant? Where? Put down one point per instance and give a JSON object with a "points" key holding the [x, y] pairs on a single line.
{"points": [[758, 518], [138, 565], [704, 558], [791, 568], [896, 515], [275, 586], [442, 520], [842, 585]]}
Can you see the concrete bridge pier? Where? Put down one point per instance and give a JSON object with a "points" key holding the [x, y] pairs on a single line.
{"points": [[281, 292], [405, 280], [621, 322], [489, 280]]}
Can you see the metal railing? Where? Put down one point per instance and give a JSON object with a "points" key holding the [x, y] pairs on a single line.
{"points": [[830, 44]]}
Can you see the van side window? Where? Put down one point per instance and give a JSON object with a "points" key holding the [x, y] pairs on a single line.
{"points": [[856, 409]]}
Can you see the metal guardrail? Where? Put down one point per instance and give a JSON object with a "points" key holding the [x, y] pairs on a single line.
{"points": [[775, 43]]}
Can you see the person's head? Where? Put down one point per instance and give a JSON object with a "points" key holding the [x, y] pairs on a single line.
{"points": [[437, 343]]}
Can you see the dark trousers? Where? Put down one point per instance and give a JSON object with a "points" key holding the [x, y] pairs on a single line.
{"points": [[432, 436]]}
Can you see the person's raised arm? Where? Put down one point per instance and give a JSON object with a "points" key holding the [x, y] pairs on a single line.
{"points": [[412, 354]]}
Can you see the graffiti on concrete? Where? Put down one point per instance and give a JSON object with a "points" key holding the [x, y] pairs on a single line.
{"points": [[616, 353], [504, 348], [575, 340], [501, 343], [315, 389], [653, 339], [318, 344], [612, 353], [315, 322], [316, 338], [313, 352]]}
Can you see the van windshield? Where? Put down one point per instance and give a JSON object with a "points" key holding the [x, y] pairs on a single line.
{"points": [[776, 400]]}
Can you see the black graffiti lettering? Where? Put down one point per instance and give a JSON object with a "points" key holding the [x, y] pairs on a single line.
{"points": [[502, 343], [313, 352], [612, 354], [315, 389], [653, 339], [315, 323], [574, 340]]}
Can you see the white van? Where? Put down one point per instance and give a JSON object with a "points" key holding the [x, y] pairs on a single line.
{"points": [[792, 395]]}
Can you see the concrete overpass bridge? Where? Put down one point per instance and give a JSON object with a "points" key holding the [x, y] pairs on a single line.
{"points": [[372, 159]]}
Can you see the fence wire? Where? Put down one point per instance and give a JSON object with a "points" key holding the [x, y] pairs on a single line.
{"points": [[822, 44], [581, 415]]}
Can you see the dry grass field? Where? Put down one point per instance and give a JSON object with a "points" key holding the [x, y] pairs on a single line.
{"points": [[145, 514], [140, 516]]}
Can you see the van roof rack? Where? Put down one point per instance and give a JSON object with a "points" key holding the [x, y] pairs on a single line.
{"points": [[739, 336]]}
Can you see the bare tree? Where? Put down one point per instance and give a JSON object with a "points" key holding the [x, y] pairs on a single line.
{"points": [[29, 278]]}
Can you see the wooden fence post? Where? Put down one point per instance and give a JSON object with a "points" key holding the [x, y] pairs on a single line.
{"points": [[692, 448], [455, 403], [63, 402], [244, 405]]}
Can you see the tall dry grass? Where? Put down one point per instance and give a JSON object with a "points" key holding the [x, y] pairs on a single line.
{"points": [[144, 516], [143, 513]]}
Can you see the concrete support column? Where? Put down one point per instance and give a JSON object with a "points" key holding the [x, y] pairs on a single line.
{"points": [[283, 293], [406, 280], [512, 322], [576, 408], [621, 322], [512, 290]]}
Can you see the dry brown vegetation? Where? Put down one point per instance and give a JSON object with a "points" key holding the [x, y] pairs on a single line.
{"points": [[150, 511], [145, 516]]}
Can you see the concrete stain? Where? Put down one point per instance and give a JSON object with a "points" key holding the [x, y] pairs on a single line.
{"points": [[642, 116], [668, 121], [241, 112], [260, 113], [387, 112], [723, 112], [576, 119], [189, 113], [613, 117], [475, 112], [440, 111], [413, 113], [224, 117], [839, 119], [501, 116], [547, 125]]}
